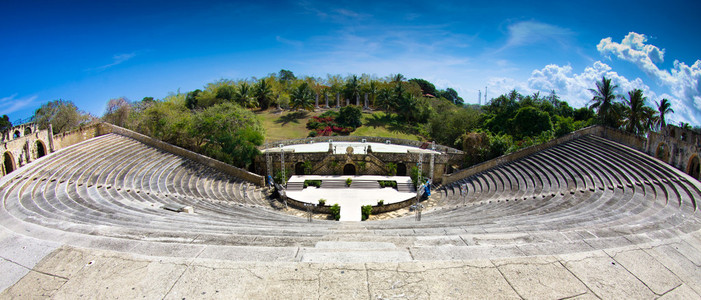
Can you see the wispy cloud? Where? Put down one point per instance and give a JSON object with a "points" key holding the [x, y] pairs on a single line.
{"points": [[532, 32], [293, 43], [117, 59], [12, 104]]}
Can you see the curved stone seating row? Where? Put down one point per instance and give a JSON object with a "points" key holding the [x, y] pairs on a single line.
{"points": [[587, 189], [588, 184], [116, 182]]}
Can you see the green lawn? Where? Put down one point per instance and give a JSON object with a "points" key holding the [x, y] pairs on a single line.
{"points": [[378, 124], [292, 125], [285, 125]]}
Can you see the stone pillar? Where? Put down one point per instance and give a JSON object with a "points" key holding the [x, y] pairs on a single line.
{"points": [[366, 101], [347, 101], [51, 138], [357, 100], [28, 150], [326, 97], [338, 100], [317, 101]]}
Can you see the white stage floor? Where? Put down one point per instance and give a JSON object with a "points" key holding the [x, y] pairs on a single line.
{"points": [[350, 199]]}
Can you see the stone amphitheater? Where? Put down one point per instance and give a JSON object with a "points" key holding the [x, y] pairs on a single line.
{"points": [[583, 217]]}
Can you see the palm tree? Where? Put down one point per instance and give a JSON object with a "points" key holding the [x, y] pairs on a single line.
{"points": [[263, 93], [372, 89], [352, 88], [603, 100], [636, 118], [664, 108], [302, 97], [244, 95]]}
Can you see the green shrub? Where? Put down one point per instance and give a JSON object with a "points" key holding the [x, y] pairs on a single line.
{"points": [[366, 211], [335, 211], [391, 169], [380, 202], [349, 181], [316, 183], [392, 184], [322, 202]]}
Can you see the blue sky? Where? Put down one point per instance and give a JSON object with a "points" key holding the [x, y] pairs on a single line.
{"points": [[90, 52]]}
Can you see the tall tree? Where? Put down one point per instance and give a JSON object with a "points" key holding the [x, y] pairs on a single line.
{"points": [[664, 108], [61, 114], [244, 95], [264, 94], [373, 88], [603, 100], [117, 112], [302, 97], [352, 88], [636, 118]]}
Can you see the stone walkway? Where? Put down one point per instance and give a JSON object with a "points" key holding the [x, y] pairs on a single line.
{"points": [[347, 270]]}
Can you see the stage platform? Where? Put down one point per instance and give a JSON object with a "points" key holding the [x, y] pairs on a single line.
{"points": [[350, 198]]}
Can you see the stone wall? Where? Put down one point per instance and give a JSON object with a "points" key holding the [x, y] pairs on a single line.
{"points": [[19, 151], [376, 209], [68, 138], [676, 146], [213, 163]]}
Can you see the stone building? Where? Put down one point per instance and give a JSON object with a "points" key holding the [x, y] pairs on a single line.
{"points": [[349, 155], [23, 144], [678, 147]]}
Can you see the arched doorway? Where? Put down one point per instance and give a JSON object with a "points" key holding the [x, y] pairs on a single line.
{"points": [[401, 169], [17, 134], [8, 162], [694, 167], [27, 131], [299, 168], [662, 152], [41, 149], [349, 169]]}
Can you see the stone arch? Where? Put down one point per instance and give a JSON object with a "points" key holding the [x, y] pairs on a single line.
{"points": [[8, 162], [349, 169], [693, 168], [17, 134], [40, 148], [662, 152], [27, 131], [299, 168], [401, 169]]}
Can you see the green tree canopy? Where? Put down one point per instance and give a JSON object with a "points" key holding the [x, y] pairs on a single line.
{"points": [[604, 100], [350, 116], [302, 97], [61, 114], [230, 133], [5, 123]]}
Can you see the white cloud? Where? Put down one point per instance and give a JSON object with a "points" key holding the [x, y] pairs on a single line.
{"points": [[684, 81], [531, 32], [289, 42], [116, 60], [574, 88], [12, 103]]}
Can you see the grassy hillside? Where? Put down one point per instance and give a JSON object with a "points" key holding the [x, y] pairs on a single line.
{"points": [[292, 125]]}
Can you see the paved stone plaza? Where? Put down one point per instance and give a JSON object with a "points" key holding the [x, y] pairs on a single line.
{"points": [[589, 218]]}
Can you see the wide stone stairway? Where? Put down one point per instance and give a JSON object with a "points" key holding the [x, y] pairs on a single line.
{"points": [[589, 217]]}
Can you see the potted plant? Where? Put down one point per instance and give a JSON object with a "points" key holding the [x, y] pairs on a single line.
{"points": [[348, 182]]}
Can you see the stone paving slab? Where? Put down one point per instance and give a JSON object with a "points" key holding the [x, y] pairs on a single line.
{"points": [[75, 273]]}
